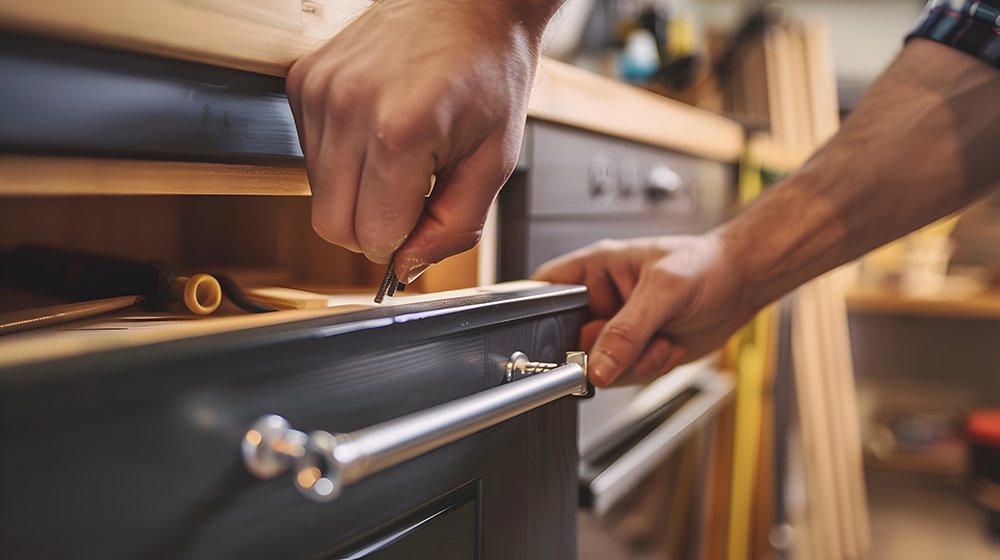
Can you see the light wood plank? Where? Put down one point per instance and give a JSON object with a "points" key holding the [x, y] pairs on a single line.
{"points": [[55, 176], [218, 32], [131, 328], [574, 97]]}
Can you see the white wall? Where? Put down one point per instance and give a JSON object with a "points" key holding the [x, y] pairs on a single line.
{"points": [[866, 34]]}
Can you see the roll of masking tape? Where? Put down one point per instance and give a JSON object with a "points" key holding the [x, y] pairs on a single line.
{"points": [[202, 293]]}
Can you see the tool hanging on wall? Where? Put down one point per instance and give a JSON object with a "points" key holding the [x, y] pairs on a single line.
{"points": [[84, 276]]}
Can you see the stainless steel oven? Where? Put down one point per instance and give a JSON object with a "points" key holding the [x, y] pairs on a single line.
{"points": [[573, 188]]}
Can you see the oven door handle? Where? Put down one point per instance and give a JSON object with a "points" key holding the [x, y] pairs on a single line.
{"points": [[625, 473], [325, 463]]}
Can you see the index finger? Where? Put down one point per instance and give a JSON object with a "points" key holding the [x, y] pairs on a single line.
{"points": [[391, 198], [453, 218]]}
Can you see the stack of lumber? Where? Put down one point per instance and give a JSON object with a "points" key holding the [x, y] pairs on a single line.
{"points": [[788, 81]]}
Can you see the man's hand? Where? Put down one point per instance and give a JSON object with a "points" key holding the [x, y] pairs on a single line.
{"points": [[655, 303], [410, 89], [919, 146]]}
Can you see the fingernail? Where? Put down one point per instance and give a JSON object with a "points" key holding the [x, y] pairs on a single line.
{"points": [[602, 370], [415, 273]]}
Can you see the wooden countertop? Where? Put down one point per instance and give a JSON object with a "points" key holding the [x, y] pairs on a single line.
{"points": [[266, 36]]}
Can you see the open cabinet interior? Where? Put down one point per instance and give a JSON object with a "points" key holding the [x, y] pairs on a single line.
{"points": [[265, 244], [266, 239]]}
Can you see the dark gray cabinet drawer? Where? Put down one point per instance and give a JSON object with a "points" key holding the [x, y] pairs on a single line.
{"points": [[136, 453]]}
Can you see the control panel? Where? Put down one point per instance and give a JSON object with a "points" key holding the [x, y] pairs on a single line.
{"points": [[578, 173]]}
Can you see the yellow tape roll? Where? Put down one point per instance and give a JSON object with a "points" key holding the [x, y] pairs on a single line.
{"points": [[202, 294]]}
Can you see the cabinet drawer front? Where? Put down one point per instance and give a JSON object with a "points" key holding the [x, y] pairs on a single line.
{"points": [[136, 454]]}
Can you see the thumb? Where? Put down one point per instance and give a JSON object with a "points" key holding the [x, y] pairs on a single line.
{"points": [[625, 336], [453, 218]]}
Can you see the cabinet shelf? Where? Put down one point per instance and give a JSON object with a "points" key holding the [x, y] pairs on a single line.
{"points": [[58, 176], [984, 306], [952, 463]]}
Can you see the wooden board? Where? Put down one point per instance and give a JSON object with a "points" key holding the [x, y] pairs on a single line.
{"points": [[574, 97], [135, 327], [823, 522], [214, 32], [848, 414], [60, 176], [834, 520]]}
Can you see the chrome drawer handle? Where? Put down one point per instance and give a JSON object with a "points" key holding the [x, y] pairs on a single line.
{"points": [[324, 463], [623, 475]]}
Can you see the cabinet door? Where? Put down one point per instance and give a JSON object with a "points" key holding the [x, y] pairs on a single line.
{"points": [[136, 453], [449, 535]]}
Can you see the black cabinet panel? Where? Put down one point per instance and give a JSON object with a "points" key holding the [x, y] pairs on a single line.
{"points": [[451, 529], [135, 453], [90, 100], [450, 534]]}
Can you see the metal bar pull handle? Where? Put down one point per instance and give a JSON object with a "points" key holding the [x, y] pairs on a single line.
{"points": [[607, 487], [325, 463]]}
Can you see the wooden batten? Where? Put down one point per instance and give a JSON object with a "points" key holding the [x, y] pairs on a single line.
{"points": [[577, 98], [61, 176]]}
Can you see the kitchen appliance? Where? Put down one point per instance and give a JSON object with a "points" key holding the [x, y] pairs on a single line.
{"points": [[574, 188]]}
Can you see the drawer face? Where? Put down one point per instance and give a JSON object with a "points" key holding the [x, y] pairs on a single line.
{"points": [[452, 535], [450, 531], [124, 103], [128, 456]]}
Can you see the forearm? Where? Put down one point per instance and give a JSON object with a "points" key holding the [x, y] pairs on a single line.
{"points": [[921, 145]]}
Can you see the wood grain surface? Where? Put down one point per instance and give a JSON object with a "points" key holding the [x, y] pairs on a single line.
{"points": [[59, 176], [138, 329]]}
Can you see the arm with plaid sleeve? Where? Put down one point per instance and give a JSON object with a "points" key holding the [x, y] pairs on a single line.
{"points": [[924, 142], [971, 26]]}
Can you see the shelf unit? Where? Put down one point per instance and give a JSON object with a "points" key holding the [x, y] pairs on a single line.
{"points": [[984, 306]]}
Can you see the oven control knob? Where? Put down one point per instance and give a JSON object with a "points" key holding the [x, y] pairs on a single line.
{"points": [[601, 179], [628, 179], [663, 183]]}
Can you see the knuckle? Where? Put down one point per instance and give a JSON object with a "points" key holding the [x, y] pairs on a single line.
{"points": [[467, 241], [621, 270], [313, 92], [660, 276], [344, 93], [396, 134], [623, 334], [606, 245]]}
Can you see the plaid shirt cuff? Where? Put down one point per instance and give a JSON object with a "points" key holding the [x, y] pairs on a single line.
{"points": [[972, 26]]}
